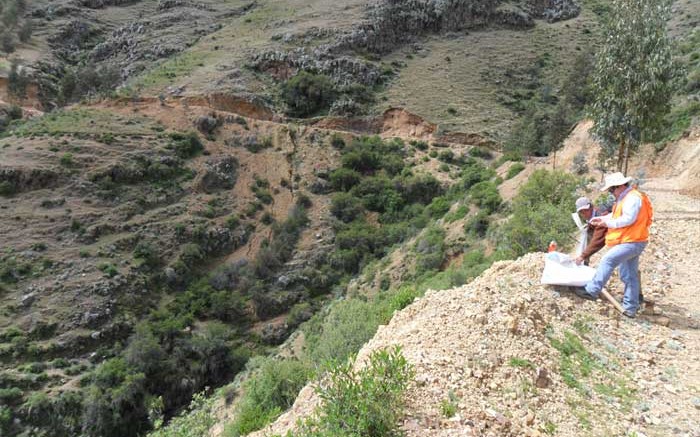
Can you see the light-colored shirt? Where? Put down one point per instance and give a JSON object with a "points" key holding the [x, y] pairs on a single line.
{"points": [[630, 210]]}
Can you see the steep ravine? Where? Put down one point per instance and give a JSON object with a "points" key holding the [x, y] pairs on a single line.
{"points": [[643, 373]]}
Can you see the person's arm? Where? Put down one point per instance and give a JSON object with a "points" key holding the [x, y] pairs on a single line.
{"points": [[597, 242], [630, 209]]}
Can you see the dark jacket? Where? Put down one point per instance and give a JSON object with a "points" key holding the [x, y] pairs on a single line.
{"points": [[596, 238]]}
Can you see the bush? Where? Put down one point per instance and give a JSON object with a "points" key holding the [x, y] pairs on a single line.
{"points": [[541, 213], [480, 152], [478, 225], [348, 326], [343, 179], [267, 393], [337, 141], [195, 422], [67, 160], [579, 166], [367, 402], [346, 207], [185, 145], [307, 94], [515, 169], [7, 188], [485, 195], [474, 173], [378, 194], [430, 250]]}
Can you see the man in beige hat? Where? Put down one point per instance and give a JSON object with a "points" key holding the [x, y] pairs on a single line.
{"points": [[596, 234], [627, 236]]}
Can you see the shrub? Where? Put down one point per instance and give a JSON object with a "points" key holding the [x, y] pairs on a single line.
{"points": [[474, 173], [10, 395], [267, 393], [7, 188], [478, 225], [346, 207], [307, 94], [185, 145], [337, 141], [378, 194], [541, 213], [480, 152], [446, 156], [194, 422], [421, 188], [485, 195], [579, 166], [67, 160], [348, 326], [108, 269], [515, 169], [367, 402], [343, 179], [430, 250]]}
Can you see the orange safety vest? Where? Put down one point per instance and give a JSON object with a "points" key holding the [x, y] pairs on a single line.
{"points": [[638, 231]]}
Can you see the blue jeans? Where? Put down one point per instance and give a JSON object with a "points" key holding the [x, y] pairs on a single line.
{"points": [[626, 256]]}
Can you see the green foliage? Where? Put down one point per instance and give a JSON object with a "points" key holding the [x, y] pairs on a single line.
{"points": [[473, 173], [337, 141], [108, 269], [514, 170], [84, 80], [448, 407], [348, 326], [185, 145], [195, 422], [67, 160], [7, 188], [17, 82], [271, 390], [307, 94], [346, 207], [520, 362], [478, 225], [343, 179], [10, 395], [541, 213], [480, 152], [430, 249], [367, 402], [541, 130], [485, 195], [634, 74], [576, 86]]}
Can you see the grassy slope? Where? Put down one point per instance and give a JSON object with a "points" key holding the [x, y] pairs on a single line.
{"points": [[476, 77]]}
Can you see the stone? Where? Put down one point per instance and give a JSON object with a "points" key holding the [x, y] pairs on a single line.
{"points": [[542, 379]]}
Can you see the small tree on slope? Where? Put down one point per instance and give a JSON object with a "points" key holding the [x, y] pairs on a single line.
{"points": [[632, 82]]}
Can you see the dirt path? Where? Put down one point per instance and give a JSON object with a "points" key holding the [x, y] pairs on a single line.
{"points": [[670, 272]]}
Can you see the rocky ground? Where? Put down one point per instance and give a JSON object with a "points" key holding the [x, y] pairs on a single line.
{"points": [[512, 357]]}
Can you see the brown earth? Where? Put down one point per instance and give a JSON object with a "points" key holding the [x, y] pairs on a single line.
{"points": [[471, 340]]}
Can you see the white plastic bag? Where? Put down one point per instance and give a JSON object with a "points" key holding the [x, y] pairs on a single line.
{"points": [[560, 269]]}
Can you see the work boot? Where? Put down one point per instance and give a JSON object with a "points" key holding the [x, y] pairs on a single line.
{"points": [[582, 293], [628, 313]]}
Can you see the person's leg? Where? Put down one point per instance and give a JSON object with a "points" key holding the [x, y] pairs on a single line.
{"points": [[613, 258], [629, 274]]}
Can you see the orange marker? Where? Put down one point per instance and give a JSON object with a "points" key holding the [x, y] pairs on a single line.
{"points": [[552, 246]]}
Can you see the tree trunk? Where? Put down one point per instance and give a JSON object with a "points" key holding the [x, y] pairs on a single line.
{"points": [[621, 155], [627, 158]]}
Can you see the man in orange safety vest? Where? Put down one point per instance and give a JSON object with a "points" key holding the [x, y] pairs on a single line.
{"points": [[627, 236]]}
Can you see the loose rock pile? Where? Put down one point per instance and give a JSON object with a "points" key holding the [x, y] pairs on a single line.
{"points": [[520, 359]]}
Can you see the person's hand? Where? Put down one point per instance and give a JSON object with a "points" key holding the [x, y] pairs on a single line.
{"points": [[578, 260], [597, 221]]}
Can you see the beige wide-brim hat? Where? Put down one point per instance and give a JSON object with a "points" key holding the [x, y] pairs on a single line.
{"points": [[614, 180]]}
